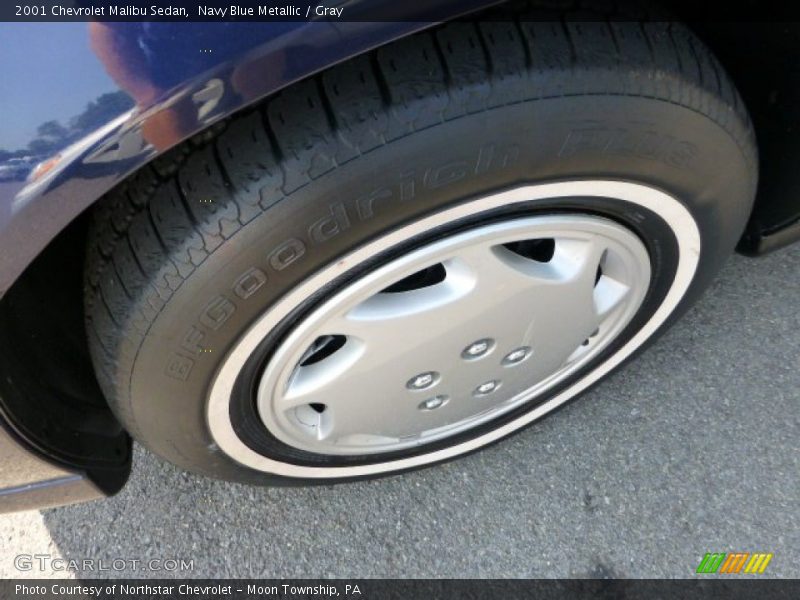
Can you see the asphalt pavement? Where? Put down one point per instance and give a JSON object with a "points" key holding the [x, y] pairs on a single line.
{"points": [[692, 448]]}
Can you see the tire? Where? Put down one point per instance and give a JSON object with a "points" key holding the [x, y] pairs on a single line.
{"points": [[637, 122]]}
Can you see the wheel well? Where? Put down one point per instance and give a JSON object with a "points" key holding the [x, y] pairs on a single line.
{"points": [[48, 390], [771, 91]]}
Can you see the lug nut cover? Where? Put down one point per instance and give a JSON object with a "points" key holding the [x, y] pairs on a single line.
{"points": [[423, 381], [517, 356], [487, 387], [433, 403], [478, 349]]}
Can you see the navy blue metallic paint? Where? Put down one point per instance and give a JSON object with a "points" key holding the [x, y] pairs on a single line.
{"points": [[142, 88]]}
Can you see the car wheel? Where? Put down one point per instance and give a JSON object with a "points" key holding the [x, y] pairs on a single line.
{"points": [[417, 252]]}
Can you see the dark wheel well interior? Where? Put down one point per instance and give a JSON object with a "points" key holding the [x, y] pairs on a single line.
{"points": [[48, 387], [761, 58]]}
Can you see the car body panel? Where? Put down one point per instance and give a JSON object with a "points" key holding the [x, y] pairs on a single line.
{"points": [[137, 103], [28, 480]]}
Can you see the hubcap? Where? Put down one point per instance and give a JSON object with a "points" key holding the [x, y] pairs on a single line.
{"points": [[453, 334]]}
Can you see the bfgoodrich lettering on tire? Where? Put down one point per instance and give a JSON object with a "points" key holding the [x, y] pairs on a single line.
{"points": [[417, 252]]}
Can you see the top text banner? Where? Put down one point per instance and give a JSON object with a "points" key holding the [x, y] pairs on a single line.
{"points": [[237, 10], [393, 10]]}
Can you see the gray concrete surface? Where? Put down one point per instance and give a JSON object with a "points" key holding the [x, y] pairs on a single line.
{"points": [[692, 448]]}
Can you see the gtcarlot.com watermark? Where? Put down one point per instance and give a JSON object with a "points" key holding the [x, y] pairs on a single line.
{"points": [[47, 562]]}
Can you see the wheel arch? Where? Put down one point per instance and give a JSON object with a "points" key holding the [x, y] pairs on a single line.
{"points": [[73, 178]]}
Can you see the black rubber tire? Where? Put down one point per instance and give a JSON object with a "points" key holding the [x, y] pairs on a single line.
{"points": [[641, 102]]}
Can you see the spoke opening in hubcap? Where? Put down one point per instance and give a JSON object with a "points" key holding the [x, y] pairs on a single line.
{"points": [[540, 250], [453, 334], [421, 279]]}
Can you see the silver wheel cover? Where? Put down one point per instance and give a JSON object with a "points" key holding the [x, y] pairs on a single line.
{"points": [[496, 330]]}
